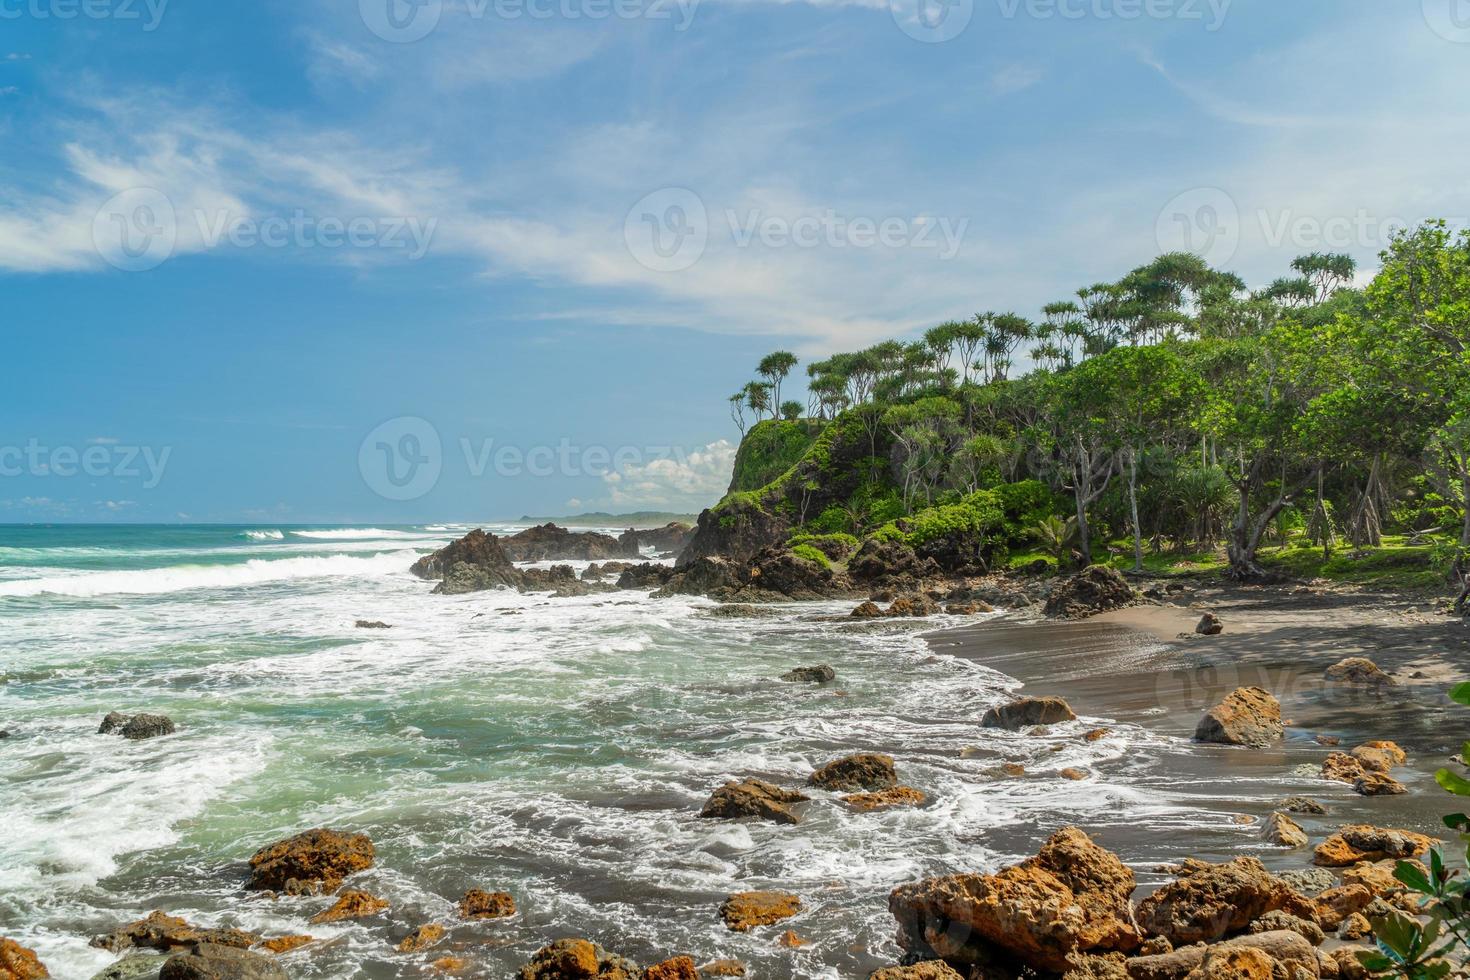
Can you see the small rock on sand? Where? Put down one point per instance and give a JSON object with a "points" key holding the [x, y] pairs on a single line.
{"points": [[1028, 711], [1209, 625], [1358, 672]]}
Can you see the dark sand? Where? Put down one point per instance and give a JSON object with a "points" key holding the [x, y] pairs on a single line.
{"points": [[1132, 666]]}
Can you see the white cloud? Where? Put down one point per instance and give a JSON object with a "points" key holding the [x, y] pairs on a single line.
{"points": [[684, 481], [1015, 78]]}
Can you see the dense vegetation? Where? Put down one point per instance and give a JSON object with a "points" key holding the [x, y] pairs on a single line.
{"points": [[1171, 412]]}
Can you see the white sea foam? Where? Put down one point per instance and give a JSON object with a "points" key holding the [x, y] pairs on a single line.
{"points": [[264, 535], [351, 533]]}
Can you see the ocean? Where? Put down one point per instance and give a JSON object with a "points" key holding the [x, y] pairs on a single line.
{"points": [[558, 749]]}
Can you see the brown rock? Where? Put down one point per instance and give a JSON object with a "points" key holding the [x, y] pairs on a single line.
{"points": [[1342, 768], [1027, 711], [867, 610], [210, 962], [1355, 926], [1358, 672], [722, 968], [791, 940], [1154, 946], [1097, 734], [1090, 966], [1301, 804], [1349, 967], [1336, 904], [1095, 589], [478, 904], [1378, 877], [19, 963], [350, 905], [284, 944], [1013, 769], [1283, 831], [927, 970], [1326, 739], [1072, 897], [912, 605], [1073, 774], [1234, 963], [450, 964], [1376, 759], [885, 799], [1209, 625], [1209, 901], [1285, 947], [753, 798], [578, 959], [1277, 919], [818, 674], [421, 938], [1378, 784], [168, 932], [744, 911], [678, 968], [1396, 755], [1362, 842], [1247, 716], [854, 773], [318, 858]]}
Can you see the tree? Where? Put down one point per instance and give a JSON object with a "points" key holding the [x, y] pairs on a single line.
{"points": [[976, 456], [1326, 272], [1082, 441], [758, 398], [774, 367], [791, 411], [737, 410]]}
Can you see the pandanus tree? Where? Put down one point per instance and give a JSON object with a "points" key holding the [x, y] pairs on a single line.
{"points": [[774, 367]]}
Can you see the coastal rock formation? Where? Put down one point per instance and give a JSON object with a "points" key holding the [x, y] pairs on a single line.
{"points": [[1247, 716], [1283, 831], [164, 932], [1277, 919], [1363, 842], [818, 674], [927, 970], [915, 604], [314, 860], [479, 904], [1027, 711], [1336, 904], [135, 727], [703, 576], [1357, 672], [781, 571], [856, 773], [578, 959], [548, 542], [19, 963], [425, 936], [744, 911], [867, 609], [1207, 901], [645, 576], [1381, 755], [477, 549], [1072, 897], [1296, 955], [753, 798], [671, 539], [284, 944], [1095, 589], [134, 966], [1209, 625], [350, 905], [889, 562], [209, 962], [678, 968], [885, 799], [1378, 784]]}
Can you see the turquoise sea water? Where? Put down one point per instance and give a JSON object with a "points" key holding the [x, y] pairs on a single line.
{"points": [[559, 749]]}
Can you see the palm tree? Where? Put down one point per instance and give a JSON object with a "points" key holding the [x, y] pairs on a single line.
{"points": [[774, 367], [1056, 537], [758, 398]]}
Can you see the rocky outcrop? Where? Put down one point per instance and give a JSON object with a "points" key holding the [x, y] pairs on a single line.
{"points": [[782, 571], [1283, 831], [164, 932], [284, 944], [1357, 672], [816, 674], [1027, 711], [476, 549], [208, 962], [737, 529], [645, 576], [136, 727], [670, 539], [578, 959], [927, 970], [548, 542], [316, 860], [856, 773], [1072, 897], [885, 799], [1208, 902], [914, 604], [1363, 842], [1296, 955], [19, 963], [753, 798], [710, 576], [350, 905], [744, 911], [1095, 589], [678, 968], [1247, 716], [889, 562], [480, 904]]}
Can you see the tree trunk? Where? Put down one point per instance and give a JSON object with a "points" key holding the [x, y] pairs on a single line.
{"points": [[1084, 531], [1133, 506], [1465, 493]]}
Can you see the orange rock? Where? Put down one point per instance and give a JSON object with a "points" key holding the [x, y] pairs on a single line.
{"points": [[1362, 842], [19, 963], [722, 968], [1235, 963], [350, 905], [452, 964], [1247, 716], [478, 904], [744, 911], [678, 968], [164, 932], [284, 944], [1378, 784], [1070, 773], [791, 940], [885, 799], [423, 937], [318, 858], [1013, 769], [1341, 767], [1097, 734], [1398, 755], [1355, 926], [1336, 904]]}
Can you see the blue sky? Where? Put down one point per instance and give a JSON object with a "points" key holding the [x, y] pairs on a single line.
{"points": [[245, 247]]}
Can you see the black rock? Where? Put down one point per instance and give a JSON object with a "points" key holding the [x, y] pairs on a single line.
{"points": [[136, 727], [820, 674]]}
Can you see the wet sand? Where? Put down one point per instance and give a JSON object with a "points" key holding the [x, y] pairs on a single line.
{"points": [[1133, 667]]}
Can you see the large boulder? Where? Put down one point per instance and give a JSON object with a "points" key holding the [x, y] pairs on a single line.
{"points": [[1028, 711], [1283, 831], [135, 727], [1071, 897], [889, 561], [744, 911], [1208, 902], [1095, 589], [1247, 716], [1284, 946], [670, 539], [645, 576], [753, 798], [316, 860], [854, 773], [578, 959], [1357, 672], [476, 549], [548, 542], [159, 931], [782, 571], [19, 963], [208, 962], [1363, 842], [704, 576]]}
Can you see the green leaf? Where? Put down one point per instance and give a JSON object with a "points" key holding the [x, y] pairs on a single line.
{"points": [[1374, 961], [1413, 877], [1460, 694], [1457, 821], [1398, 934], [1454, 784]]}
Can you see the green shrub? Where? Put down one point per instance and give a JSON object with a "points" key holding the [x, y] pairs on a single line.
{"points": [[812, 554], [838, 547], [769, 449], [834, 520]]}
